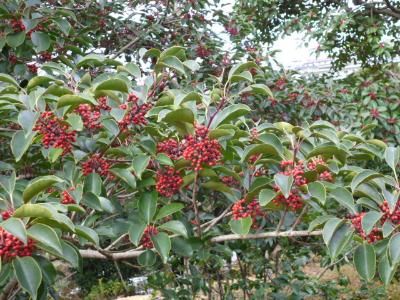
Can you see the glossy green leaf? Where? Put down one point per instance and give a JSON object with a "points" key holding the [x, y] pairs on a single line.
{"points": [[16, 227], [47, 236], [365, 261], [28, 274], [113, 84], [363, 177], [148, 206], [162, 243], [345, 198], [20, 143], [147, 258], [241, 226], [284, 183], [168, 210], [266, 196], [369, 220], [175, 227], [317, 190], [38, 185], [140, 164]]}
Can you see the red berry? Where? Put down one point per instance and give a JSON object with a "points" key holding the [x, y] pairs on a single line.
{"points": [[96, 164], [168, 182], [146, 238], [55, 132]]}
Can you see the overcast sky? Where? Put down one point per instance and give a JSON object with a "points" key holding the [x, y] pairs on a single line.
{"points": [[293, 50]]}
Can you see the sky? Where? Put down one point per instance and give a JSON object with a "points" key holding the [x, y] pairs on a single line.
{"points": [[293, 52]]}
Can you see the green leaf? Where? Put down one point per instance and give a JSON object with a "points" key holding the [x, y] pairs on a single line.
{"points": [[27, 120], [169, 209], [162, 243], [284, 183], [392, 157], [20, 143], [242, 67], [41, 80], [113, 84], [319, 221], [75, 121], [47, 236], [136, 231], [87, 233], [75, 100], [147, 258], [41, 40], [250, 150], [64, 25], [339, 153], [93, 184], [182, 247], [175, 227], [92, 200], [171, 62], [369, 220], [330, 228], [125, 175], [260, 89], [28, 274], [148, 206], [340, 239], [266, 196], [192, 65], [16, 227], [38, 185], [345, 198], [363, 177], [164, 160], [15, 39], [8, 79], [70, 254], [33, 211], [365, 261], [394, 249], [386, 270], [230, 113], [317, 191], [217, 186], [131, 69], [387, 229], [241, 226], [140, 164], [8, 183]]}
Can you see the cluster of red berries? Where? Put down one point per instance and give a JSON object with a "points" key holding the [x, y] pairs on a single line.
{"points": [[146, 238], [45, 56], [6, 214], [96, 164], [293, 202], [394, 216], [373, 236], [325, 175], [13, 59], [33, 68], [375, 113], [293, 96], [37, 28], [11, 246], [230, 181], [200, 149], [241, 210], [202, 51], [280, 83], [17, 25], [254, 133], [171, 148], [67, 198], [55, 132], [168, 182], [294, 169], [135, 114], [102, 104], [90, 116]]}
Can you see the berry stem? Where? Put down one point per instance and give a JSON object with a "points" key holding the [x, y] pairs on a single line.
{"points": [[196, 209], [282, 220]]}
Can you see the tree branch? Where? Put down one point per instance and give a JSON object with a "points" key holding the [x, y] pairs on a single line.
{"points": [[94, 254]]}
